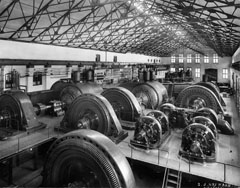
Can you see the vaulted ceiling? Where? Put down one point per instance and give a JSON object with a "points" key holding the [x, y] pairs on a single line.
{"points": [[150, 27]]}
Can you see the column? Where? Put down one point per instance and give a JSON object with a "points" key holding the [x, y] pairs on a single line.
{"points": [[29, 76]]}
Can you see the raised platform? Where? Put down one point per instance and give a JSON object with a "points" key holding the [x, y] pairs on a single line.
{"points": [[24, 141], [226, 169]]}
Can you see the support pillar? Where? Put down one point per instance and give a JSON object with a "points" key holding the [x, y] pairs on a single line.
{"points": [[2, 79], [69, 70], [29, 77], [46, 76]]}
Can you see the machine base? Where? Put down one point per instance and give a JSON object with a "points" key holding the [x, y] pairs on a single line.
{"points": [[137, 144], [191, 157]]}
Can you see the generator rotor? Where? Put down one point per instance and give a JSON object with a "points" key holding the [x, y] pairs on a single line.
{"points": [[86, 158]]}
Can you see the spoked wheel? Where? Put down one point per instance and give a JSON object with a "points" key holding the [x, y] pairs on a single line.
{"points": [[198, 138], [209, 113], [162, 119], [148, 133], [86, 158], [198, 143], [206, 121]]}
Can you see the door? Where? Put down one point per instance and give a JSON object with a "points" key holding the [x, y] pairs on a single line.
{"points": [[211, 75]]}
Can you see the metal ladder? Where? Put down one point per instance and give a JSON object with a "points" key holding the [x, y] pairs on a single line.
{"points": [[173, 179]]}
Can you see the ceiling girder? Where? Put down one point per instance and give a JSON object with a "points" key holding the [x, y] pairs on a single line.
{"points": [[156, 27]]}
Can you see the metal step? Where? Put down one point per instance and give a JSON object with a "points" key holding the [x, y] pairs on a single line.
{"points": [[170, 186], [173, 179], [173, 174]]}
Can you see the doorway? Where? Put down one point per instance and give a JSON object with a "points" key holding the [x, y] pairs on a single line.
{"points": [[211, 75]]}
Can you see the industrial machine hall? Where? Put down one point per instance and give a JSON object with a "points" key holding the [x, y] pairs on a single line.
{"points": [[120, 93]]}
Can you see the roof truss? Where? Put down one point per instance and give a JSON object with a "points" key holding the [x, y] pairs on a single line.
{"points": [[151, 27]]}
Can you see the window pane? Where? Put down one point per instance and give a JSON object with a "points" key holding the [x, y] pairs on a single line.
{"points": [[189, 58], [197, 72], [206, 59], [180, 69], [197, 58], [173, 58], [225, 73], [180, 58], [215, 58]]}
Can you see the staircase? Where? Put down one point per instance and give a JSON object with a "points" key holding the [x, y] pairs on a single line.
{"points": [[172, 179]]}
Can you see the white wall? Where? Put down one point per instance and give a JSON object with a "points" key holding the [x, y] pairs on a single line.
{"points": [[21, 50], [26, 82], [223, 63], [235, 74]]}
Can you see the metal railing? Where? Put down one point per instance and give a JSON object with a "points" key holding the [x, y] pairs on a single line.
{"points": [[156, 157], [24, 141]]}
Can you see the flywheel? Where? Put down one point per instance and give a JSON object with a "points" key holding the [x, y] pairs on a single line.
{"points": [[148, 95], [210, 86], [86, 158], [162, 119], [148, 133], [69, 93], [124, 103], [198, 143], [209, 113], [89, 111], [206, 121], [189, 95], [214, 89]]}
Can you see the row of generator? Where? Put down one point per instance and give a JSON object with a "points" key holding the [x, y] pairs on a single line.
{"points": [[95, 120]]}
